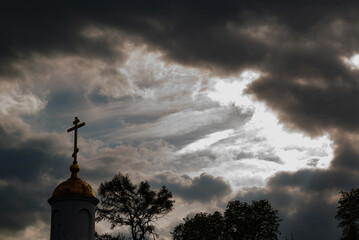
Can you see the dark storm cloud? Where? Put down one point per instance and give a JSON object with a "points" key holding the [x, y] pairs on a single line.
{"points": [[31, 168], [21, 207], [307, 81], [204, 188], [29, 163], [179, 27], [312, 181], [346, 152], [309, 107], [46, 29], [25, 157], [288, 41], [297, 46]]}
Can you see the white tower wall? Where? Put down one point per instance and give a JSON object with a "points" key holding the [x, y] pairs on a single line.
{"points": [[73, 217]]}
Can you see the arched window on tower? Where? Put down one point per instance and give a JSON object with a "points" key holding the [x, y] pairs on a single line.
{"points": [[84, 220], [56, 225]]}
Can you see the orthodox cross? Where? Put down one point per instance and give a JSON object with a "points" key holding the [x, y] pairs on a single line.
{"points": [[76, 149]]}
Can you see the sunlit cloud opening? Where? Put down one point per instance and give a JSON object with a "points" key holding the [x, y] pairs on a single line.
{"points": [[231, 91], [352, 62], [207, 141], [249, 155]]}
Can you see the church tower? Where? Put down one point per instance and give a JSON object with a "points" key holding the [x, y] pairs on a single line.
{"points": [[73, 204]]}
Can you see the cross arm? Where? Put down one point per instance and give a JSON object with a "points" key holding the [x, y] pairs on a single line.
{"points": [[75, 127]]}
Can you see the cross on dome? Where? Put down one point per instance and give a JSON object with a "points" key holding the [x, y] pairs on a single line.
{"points": [[74, 128], [74, 186]]}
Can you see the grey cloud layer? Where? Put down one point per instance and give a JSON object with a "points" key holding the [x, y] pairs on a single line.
{"points": [[32, 165], [297, 46], [204, 188], [272, 37]]}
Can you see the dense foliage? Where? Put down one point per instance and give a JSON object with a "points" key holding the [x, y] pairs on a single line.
{"points": [[348, 214], [202, 226], [240, 221], [107, 236], [137, 206], [258, 221]]}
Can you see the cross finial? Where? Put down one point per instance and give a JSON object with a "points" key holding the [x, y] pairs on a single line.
{"points": [[76, 149]]}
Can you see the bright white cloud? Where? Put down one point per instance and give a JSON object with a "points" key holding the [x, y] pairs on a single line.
{"points": [[352, 62], [14, 101], [231, 91], [252, 153], [207, 141], [144, 74]]}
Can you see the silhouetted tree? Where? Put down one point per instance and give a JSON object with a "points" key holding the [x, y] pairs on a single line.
{"points": [[202, 226], [258, 221], [348, 214], [107, 236], [241, 221], [137, 206]]}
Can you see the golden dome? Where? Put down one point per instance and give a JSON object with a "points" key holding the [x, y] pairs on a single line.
{"points": [[74, 186]]}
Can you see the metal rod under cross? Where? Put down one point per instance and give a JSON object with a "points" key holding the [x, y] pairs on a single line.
{"points": [[77, 126]]}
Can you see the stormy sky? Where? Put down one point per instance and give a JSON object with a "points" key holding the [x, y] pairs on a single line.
{"points": [[217, 100]]}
